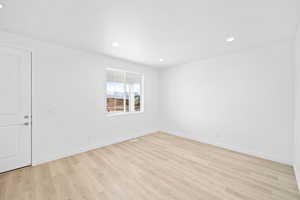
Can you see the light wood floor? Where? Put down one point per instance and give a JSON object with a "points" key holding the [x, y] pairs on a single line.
{"points": [[157, 166]]}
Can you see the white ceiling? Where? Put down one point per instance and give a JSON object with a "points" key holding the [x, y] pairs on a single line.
{"points": [[176, 30]]}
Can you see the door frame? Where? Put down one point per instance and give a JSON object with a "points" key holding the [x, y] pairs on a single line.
{"points": [[30, 51]]}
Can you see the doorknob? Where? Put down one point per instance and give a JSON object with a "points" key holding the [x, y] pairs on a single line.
{"points": [[26, 117], [26, 124]]}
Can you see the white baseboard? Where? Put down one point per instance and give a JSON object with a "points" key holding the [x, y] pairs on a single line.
{"points": [[84, 149], [233, 148], [255, 153], [297, 174], [226, 146]]}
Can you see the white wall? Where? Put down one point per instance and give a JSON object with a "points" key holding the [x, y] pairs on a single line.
{"points": [[297, 110], [68, 100], [242, 101], [239, 101]]}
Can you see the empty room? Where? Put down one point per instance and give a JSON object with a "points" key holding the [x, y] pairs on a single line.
{"points": [[149, 100]]}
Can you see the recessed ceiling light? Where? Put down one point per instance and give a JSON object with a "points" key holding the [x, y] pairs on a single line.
{"points": [[230, 39], [115, 44], [1, 5], [161, 60]]}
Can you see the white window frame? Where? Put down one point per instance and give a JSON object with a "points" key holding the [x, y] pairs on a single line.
{"points": [[142, 94]]}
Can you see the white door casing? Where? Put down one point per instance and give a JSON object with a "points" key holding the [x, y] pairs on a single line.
{"points": [[15, 108]]}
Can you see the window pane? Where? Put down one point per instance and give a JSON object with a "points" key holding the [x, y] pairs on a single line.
{"points": [[136, 89], [115, 97], [127, 105], [134, 80]]}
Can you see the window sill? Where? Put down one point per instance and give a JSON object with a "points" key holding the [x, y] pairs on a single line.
{"points": [[109, 114]]}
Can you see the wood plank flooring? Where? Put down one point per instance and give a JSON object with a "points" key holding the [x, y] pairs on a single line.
{"points": [[157, 166]]}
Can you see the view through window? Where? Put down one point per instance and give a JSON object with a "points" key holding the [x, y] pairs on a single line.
{"points": [[123, 91]]}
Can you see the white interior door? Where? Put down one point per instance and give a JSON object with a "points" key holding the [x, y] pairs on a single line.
{"points": [[15, 108]]}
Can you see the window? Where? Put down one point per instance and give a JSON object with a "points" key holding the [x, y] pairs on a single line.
{"points": [[123, 91]]}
